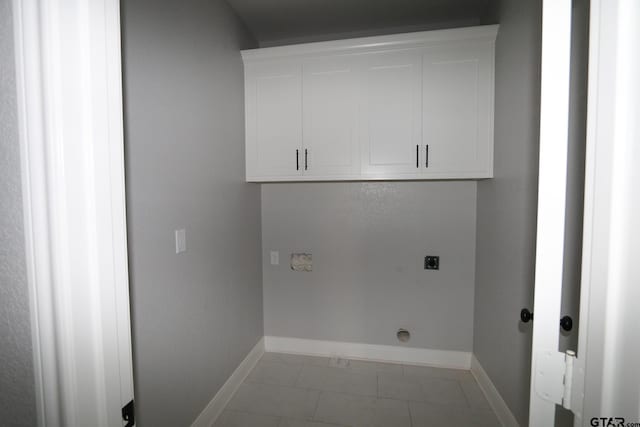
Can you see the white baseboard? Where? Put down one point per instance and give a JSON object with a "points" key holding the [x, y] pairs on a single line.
{"points": [[380, 353], [213, 410], [499, 406]]}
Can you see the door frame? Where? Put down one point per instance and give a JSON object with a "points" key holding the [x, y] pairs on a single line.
{"points": [[546, 382], [608, 347], [605, 377], [69, 93]]}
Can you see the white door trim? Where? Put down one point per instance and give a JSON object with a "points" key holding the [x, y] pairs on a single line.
{"points": [[607, 345], [554, 127], [71, 141]]}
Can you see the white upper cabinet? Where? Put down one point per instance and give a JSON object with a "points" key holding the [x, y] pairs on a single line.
{"points": [[407, 106], [329, 118], [273, 109], [457, 110], [390, 114]]}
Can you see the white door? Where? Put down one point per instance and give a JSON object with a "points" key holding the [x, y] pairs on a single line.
{"points": [[330, 105], [391, 114], [457, 117], [274, 120], [548, 366]]}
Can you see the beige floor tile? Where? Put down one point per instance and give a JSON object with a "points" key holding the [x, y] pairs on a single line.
{"points": [[474, 395], [425, 414], [338, 380], [364, 366], [274, 373], [243, 419], [292, 422], [442, 391], [428, 371], [296, 359], [274, 400], [362, 411], [287, 390], [421, 389], [401, 387]]}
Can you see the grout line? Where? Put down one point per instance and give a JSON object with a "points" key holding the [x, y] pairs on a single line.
{"points": [[300, 369], [464, 394], [315, 411], [410, 414]]}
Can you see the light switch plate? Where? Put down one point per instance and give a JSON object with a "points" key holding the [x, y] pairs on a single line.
{"points": [[181, 240], [275, 257]]}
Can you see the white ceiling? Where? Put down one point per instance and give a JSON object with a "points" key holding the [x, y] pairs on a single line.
{"points": [[276, 22]]}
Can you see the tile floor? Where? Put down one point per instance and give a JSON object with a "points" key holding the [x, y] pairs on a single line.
{"points": [[305, 391]]}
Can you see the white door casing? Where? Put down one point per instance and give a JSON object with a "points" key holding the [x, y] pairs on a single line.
{"points": [[546, 376], [608, 347], [604, 384], [71, 137]]}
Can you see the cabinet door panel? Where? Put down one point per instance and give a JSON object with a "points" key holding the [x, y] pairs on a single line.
{"points": [[457, 109], [329, 117], [391, 118], [274, 120]]}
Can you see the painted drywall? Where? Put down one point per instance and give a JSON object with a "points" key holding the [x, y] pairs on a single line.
{"points": [[284, 21], [17, 395], [507, 204], [197, 314], [287, 39], [506, 209], [368, 242]]}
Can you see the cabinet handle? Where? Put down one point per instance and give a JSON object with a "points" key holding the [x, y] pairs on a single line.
{"points": [[305, 159], [426, 152], [297, 161], [417, 156]]}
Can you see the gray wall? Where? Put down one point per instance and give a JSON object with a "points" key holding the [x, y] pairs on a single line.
{"points": [[506, 216], [196, 315], [368, 242], [17, 384], [277, 22], [507, 204]]}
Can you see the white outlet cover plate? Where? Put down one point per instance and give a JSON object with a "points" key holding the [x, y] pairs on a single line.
{"points": [[181, 240]]}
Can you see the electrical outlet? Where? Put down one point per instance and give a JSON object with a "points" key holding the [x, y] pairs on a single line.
{"points": [[432, 262]]}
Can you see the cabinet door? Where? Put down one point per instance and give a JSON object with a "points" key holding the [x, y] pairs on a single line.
{"points": [[274, 120], [330, 118], [391, 114], [458, 110]]}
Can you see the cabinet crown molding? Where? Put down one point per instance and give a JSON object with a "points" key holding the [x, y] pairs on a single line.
{"points": [[376, 43]]}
